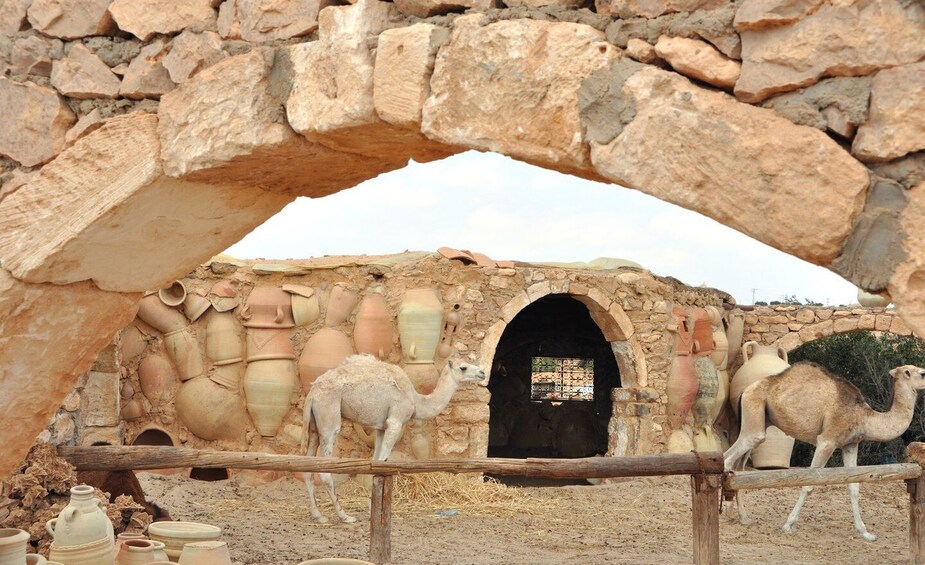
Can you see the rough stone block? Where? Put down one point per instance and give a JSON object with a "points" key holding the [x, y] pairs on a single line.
{"points": [[13, 16], [404, 64], [698, 59], [146, 76], [81, 74], [100, 400], [31, 55], [846, 325], [268, 20], [36, 120], [897, 114], [758, 14], [652, 8], [71, 19], [430, 8], [867, 322], [191, 52], [145, 18]]}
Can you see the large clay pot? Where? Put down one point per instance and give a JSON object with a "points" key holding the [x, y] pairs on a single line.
{"points": [[703, 332], [760, 361], [13, 546], [340, 304], [224, 339], [775, 451], [140, 552], [177, 534], [420, 322], [133, 410], [872, 300], [132, 343], [707, 388], [323, 351], [159, 316], [374, 332], [306, 307], [722, 394], [211, 411], [195, 305], [173, 295], [183, 347], [720, 353], [124, 537], [229, 376], [223, 296], [100, 552], [268, 307], [423, 377], [268, 387], [82, 521], [734, 332], [682, 377], [205, 553], [156, 376], [264, 344]]}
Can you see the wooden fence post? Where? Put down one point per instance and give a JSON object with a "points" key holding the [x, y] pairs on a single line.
{"points": [[380, 520], [705, 490], [916, 488]]}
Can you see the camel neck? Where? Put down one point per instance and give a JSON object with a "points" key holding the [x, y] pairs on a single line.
{"points": [[428, 406], [886, 426]]}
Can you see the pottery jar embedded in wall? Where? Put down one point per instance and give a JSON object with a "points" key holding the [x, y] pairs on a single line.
{"points": [[132, 410], [268, 387], [682, 377], [211, 411], [306, 307], [722, 394], [156, 376], [183, 347], [760, 361], [224, 339], [340, 304], [423, 376], [82, 521], [445, 349], [132, 344], [734, 333], [159, 316], [173, 295], [195, 304], [703, 332], [707, 387], [268, 307], [374, 330], [420, 321], [720, 342], [268, 344], [13, 546], [223, 296], [326, 349]]}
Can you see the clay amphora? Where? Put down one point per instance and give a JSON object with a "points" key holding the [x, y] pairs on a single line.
{"points": [[132, 343], [124, 537], [722, 394], [703, 332], [13, 546], [340, 304], [195, 305], [774, 452], [306, 307], [173, 295], [706, 440], [223, 296], [176, 534], [263, 344], [224, 339], [872, 300], [682, 377], [720, 342], [734, 333], [156, 376], [211, 411], [132, 410], [100, 552], [420, 324], [81, 522], [205, 553], [707, 387], [374, 331], [183, 348], [445, 349], [323, 351], [140, 552], [229, 376], [760, 361], [268, 307], [268, 387], [423, 377], [159, 316]]}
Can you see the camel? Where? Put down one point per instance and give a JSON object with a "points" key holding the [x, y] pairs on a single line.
{"points": [[810, 404], [374, 394]]}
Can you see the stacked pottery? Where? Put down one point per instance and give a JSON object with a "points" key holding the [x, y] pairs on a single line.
{"points": [[156, 377], [707, 381], [205, 553], [449, 330], [13, 546], [82, 532], [195, 305], [682, 382], [322, 352], [175, 535], [124, 537], [340, 304], [173, 295], [720, 357], [762, 361], [373, 332], [270, 378], [141, 552], [225, 348], [305, 304], [223, 296], [420, 324], [735, 330], [132, 410], [179, 338]]}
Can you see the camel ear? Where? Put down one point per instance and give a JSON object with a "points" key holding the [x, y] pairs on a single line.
{"points": [[449, 362], [893, 372]]}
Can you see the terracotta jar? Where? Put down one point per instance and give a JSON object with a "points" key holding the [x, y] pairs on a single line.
{"points": [[100, 552], [124, 537], [159, 316], [133, 410], [374, 331], [420, 324], [195, 305], [720, 342], [722, 394], [264, 344], [734, 331], [13, 546], [224, 339], [183, 348], [82, 521], [173, 295], [156, 377], [229, 376], [176, 534], [140, 552], [340, 304], [424, 377], [205, 553], [445, 349], [132, 344], [211, 411], [703, 332], [323, 351], [268, 307], [223, 296], [760, 361], [775, 451], [306, 307], [872, 300], [268, 388], [707, 388], [682, 377]]}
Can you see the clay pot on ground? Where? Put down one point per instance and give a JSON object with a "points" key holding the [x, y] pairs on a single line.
{"points": [[156, 376], [326, 349], [760, 361], [205, 553], [268, 307], [173, 295], [195, 305], [306, 308], [420, 325], [720, 353], [774, 452], [183, 348], [374, 331], [734, 332], [211, 411], [223, 296], [13, 546], [224, 339], [124, 537], [140, 552], [176, 534], [340, 304], [873, 300], [702, 332], [82, 521], [100, 552], [263, 344], [268, 387], [159, 316], [133, 410]]}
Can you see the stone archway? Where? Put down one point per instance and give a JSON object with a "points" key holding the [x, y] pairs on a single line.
{"points": [[145, 197]]}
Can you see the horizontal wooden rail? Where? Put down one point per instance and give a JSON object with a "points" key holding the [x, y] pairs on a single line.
{"points": [[749, 480], [114, 458]]}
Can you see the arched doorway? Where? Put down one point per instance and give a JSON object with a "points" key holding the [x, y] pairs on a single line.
{"points": [[552, 374]]}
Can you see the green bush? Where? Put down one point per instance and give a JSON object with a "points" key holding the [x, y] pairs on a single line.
{"points": [[865, 359]]}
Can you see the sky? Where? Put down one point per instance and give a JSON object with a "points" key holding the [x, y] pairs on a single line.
{"points": [[511, 210]]}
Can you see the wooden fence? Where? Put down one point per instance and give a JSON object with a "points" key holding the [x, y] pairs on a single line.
{"points": [[705, 469]]}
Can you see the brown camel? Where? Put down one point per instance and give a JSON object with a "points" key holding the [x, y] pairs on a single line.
{"points": [[810, 404]]}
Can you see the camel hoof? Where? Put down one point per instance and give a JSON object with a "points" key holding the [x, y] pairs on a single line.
{"points": [[868, 536], [347, 519], [746, 520], [320, 519], [788, 528]]}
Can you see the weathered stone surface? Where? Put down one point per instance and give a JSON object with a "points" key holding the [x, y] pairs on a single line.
{"points": [[837, 40], [100, 399], [44, 348], [641, 51], [897, 115], [13, 16], [85, 125], [846, 325], [653, 8], [268, 20], [331, 101], [71, 19], [144, 18], [429, 8], [836, 104], [867, 322], [404, 64], [146, 76], [908, 171], [81, 74], [36, 120], [698, 59], [714, 26], [31, 55], [757, 14], [907, 285], [534, 4], [512, 87], [789, 186], [191, 52]]}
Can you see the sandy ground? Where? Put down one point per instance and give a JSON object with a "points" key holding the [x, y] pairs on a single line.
{"points": [[645, 521]]}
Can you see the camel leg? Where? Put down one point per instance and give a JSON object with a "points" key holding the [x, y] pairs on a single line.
{"points": [[391, 434], [327, 450], [824, 449], [751, 433], [849, 455], [310, 477], [378, 449], [744, 518]]}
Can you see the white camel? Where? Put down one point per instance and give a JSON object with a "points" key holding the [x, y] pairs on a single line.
{"points": [[810, 404], [375, 394]]}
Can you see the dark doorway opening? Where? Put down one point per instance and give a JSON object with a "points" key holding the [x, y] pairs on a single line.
{"points": [[203, 474], [153, 436]]}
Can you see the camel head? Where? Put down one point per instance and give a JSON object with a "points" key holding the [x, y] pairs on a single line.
{"points": [[914, 376], [464, 372]]}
